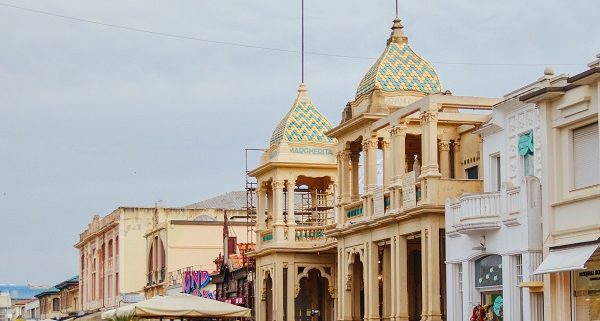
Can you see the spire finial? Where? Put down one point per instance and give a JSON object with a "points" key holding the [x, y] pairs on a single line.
{"points": [[397, 33], [302, 41], [396, 9]]}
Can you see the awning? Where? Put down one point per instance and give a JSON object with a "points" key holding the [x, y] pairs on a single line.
{"points": [[567, 259]]}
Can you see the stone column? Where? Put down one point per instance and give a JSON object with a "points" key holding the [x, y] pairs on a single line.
{"points": [[340, 175], [278, 211], [458, 169], [387, 282], [429, 166], [424, 274], [261, 197], [434, 312], [290, 186], [444, 146], [354, 159], [278, 292], [370, 146], [372, 282], [402, 279], [398, 134], [387, 162], [291, 291], [345, 157]]}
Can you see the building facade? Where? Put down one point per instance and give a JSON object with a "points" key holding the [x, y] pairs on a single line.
{"points": [[295, 261], [568, 109], [494, 238], [69, 296], [186, 240], [49, 304], [416, 147]]}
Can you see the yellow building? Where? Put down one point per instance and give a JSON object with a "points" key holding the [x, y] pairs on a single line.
{"points": [[134, 249], [417, 149], [187, 240], [381, 255], [295, 261], [571, 194]]}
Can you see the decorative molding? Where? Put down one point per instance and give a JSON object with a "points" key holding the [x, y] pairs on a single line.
{"points": [[444, 145]]}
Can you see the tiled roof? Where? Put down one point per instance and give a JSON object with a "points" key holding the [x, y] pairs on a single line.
{"points": [[303, 123], [400, 69], [21, 292], [235, 200]]}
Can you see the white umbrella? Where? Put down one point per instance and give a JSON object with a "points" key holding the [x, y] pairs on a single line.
{"points": [[179, 306]]}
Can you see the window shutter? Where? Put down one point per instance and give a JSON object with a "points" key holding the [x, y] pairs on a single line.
{"points": [[586, 156]]}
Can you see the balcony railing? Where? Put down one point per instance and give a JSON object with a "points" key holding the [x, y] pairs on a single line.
{"points": [[475, 212], [485, 211], [310, 233], [354, 209]]}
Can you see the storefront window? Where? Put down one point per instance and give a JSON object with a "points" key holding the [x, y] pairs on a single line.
{"points": [[488, 271], [587, 293]]}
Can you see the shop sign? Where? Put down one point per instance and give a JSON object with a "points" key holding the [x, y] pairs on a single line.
{"points": [[311, 151], [409, 195], [195, 283], [588, 282]]}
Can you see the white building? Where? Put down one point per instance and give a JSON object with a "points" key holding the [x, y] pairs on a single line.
{"points": [[494, 239]]}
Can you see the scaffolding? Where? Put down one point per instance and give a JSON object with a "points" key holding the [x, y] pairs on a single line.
{"points": [[251, 199]]}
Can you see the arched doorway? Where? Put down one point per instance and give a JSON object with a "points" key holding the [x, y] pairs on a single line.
{"points": [[268, 283], [313, 302], [358, 289]]}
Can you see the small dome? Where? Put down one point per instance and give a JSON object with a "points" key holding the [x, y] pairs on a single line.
{"points": [[303, 123], [400, 69]]}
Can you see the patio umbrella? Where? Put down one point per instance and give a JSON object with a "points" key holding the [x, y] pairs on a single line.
{"points": [[180, 306]]}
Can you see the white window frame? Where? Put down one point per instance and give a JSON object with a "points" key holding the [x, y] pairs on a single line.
{"points": [[495, 172], [571, 142]]}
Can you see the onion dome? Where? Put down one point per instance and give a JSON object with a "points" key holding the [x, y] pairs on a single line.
{"points": [[303, 123], [400, 69]]}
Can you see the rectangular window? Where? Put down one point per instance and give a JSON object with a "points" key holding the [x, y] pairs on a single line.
{"points": [[472, 173], [586, 156], [526, 148], [495, 174], [519, 279]]}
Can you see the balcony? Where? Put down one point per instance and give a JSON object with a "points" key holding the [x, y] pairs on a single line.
{"points": [[512, 206], [474, 213]]}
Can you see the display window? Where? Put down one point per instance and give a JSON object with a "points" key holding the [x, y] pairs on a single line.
{"points": [[587, 293], [488, 280]]}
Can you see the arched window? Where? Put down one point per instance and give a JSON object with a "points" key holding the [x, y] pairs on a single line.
{"points": [[488, 271], [151, 259], [110, 248], [117, 245], [56, 304]]}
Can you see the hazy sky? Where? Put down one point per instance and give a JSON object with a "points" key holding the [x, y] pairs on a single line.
{"points": [[93, 117]]}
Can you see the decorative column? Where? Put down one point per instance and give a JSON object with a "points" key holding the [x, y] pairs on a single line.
{"points": [[458, 170], [387, 162], [401, 283], [340, 175], [291, 186], [429, 166], [372, 282], [261, 198], [345, 182], [433, 271], [278, 210], [398, 134], [354, 159], [444, 147], [370, 145], [424, 274]]}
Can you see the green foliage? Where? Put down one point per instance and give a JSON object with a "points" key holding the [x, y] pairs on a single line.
{"points": [[124, 317]]}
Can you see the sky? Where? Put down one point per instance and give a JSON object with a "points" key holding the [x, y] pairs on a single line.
{"points": [[93, 117]]}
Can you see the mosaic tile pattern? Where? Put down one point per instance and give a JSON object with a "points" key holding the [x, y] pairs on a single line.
{"points": [[400, 69], [303, 123]]}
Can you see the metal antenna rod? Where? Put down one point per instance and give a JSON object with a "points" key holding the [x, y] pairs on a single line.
{"points": [[396, 8], [302, 41]]}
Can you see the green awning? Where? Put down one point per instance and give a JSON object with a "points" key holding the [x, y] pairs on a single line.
{"points": [[526, 144]]}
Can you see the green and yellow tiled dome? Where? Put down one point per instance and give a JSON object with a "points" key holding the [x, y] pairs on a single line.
{"points": [[400, 69], [303, 123]]}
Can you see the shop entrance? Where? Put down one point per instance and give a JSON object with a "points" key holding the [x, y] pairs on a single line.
{"points": [[358, 289], [313, 302], [415, 298], [269, 298]]}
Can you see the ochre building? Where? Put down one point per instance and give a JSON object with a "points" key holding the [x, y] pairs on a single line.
{"points": [[403, 148]]}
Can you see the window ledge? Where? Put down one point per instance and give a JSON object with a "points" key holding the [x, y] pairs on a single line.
{"points": [[596, 194]]}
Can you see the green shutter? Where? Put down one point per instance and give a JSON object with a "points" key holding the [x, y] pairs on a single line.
{"points": [[526, 144]]}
